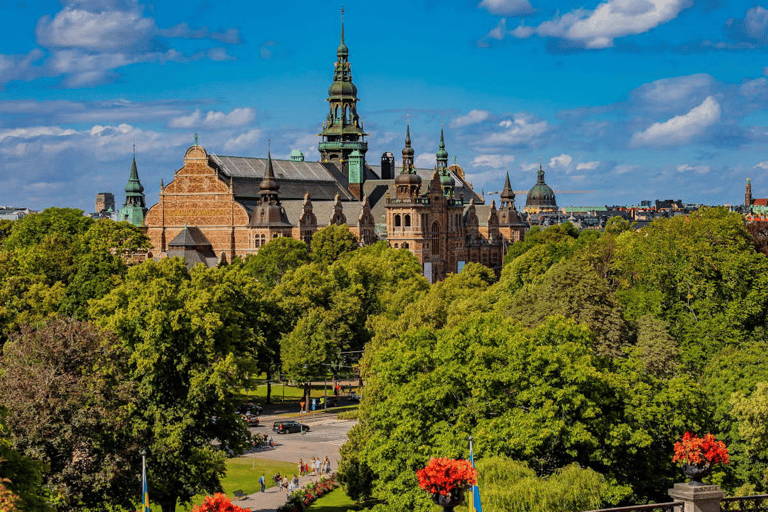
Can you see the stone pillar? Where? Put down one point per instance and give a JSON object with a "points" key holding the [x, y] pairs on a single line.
{"points": [[698, 498]]}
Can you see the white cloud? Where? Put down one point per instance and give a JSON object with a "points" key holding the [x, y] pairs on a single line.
{"points": [[698, 169], [529, 167], [20, 67], [518, 131], [102, 30], [610, 20], [214, 119], [243, 142], [35, 131], [561, 161], [680, 129], [493, 161], [507, 7], [472, 117], [425, 161], [762, 165], [671, 92], [587, 166]]}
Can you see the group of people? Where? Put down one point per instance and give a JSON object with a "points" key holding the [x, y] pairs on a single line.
{"points": [[263, 441], [315, 467]]}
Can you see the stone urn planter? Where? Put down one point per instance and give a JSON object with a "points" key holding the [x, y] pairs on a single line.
{"points": [[697, 472], [450, 500]]}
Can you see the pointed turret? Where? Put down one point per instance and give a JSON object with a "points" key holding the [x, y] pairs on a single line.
{"points": [[507, 194], [134, 208], [407, 151], [748, 193], [269, 187], [442, 154]]}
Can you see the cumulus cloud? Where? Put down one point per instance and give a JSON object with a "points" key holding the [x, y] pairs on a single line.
{"points": [[516, 132], [425, 161], [507, 7], [562, 161], [610, 20], [752, 28], [624, 168], [698, 169], [214, 119], [588, 166], [99, 30], [21, 67], [472, 117], [761, 165], [243, 142], [661, 95], [680, 129], [35, 131], [493, 161]]}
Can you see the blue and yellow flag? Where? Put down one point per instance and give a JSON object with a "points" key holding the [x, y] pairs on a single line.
{"points": [[145, 494], [474, 500]]}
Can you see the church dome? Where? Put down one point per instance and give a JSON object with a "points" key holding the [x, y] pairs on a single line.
{"points": [[447, 181], [541, 195]]}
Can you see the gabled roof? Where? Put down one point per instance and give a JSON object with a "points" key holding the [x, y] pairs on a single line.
{"points": [[190, 237]]}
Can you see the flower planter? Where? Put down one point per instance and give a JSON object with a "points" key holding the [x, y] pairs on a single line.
{"points": [[450, 500], [697, 472]]}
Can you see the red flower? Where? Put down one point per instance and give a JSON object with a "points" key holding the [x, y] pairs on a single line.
{"points": [[219, 503], [698, 451], [446, 475]]}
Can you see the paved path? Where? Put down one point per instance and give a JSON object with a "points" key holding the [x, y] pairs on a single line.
{"points": [[326, 435], [271, 499]]}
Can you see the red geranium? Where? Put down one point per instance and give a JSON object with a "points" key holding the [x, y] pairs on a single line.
{"points": [[219, 503], [700, 450], [443, 476]]}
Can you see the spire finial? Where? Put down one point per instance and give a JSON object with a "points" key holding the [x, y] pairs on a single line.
{"points": [[342, 23], [196, 140]]}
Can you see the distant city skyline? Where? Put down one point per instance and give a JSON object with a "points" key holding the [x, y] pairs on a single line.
{"points": [[631, 99]]}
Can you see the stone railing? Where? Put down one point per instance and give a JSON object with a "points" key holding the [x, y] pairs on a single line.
{"points": [[700, 498]]}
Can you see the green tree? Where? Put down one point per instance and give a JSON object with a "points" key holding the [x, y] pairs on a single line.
{"points": [[331, 242], [63, 223], [69, 399], [276, 258], [192, 337]]}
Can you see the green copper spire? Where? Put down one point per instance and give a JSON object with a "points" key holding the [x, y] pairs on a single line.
{"points": [[134, 209], [342, 130], [442, 154]]}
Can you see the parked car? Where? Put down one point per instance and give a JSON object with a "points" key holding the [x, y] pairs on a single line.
{"points": [[250, 408], [286, 427], [250, 420]]}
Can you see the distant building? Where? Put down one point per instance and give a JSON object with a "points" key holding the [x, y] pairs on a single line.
{"points": [[105, 201], [219, 207], [541, 197], [11, 213]]}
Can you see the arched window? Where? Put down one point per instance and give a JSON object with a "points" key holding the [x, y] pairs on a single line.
{"points": [[407, 220], [405, 245], [396, 246], [397, 220], [346, 113], [275, 235]]}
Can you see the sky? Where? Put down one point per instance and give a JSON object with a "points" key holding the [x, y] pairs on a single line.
{"points": [[620, 100]]}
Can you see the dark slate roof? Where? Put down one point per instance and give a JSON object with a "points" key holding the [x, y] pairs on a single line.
{"points": [[192, 257], [190, 237], [321, 180], [323, 210]]}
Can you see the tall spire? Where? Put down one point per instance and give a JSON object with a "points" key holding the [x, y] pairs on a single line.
{"points": [[269, 186], [507, 194], [407, 151], [134, 208], [442, 154]]}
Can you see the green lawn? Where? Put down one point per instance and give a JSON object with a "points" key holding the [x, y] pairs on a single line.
{"points": [[242, 474], [335, 501], [285, 393]]}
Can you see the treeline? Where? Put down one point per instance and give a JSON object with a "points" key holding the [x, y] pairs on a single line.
{"points": [[104, 356], [576, 371]]}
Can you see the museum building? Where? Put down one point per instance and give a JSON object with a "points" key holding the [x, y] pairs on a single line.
{"points": [[218, 207]]}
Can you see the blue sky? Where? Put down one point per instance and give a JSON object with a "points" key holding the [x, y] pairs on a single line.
{"points": [[624, 99]]}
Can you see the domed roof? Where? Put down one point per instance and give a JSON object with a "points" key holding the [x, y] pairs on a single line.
{"points": [[339, 88], [407, 178], [541, 194], [446, 180]]}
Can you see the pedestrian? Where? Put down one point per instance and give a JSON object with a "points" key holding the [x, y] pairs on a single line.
{"points": [[301, 467], [327, 466], [284, 484], [263, 483]]}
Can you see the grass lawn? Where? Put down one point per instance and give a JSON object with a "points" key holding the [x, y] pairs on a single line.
{"points": [[242, 474], [286, 393], [335, 501]]}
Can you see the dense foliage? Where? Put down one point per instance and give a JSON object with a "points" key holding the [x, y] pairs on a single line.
{"points": [[575, 370]]}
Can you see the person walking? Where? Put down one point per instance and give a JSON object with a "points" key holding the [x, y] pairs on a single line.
{"points": [[301, 467], [263, 483]]}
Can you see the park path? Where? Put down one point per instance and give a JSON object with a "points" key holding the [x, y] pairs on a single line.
{"points": [[271, 499]]}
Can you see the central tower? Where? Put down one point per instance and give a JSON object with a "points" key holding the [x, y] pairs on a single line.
{"points": [[343, 131]]}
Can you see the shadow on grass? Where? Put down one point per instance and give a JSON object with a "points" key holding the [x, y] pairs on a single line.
{"points": [[335, 501]]}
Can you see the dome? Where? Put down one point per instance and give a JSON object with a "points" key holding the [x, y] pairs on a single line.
{"points": [[406, 178], [541, 195], [342, 50], [297, 155], [447, 181], [342, 89]]}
